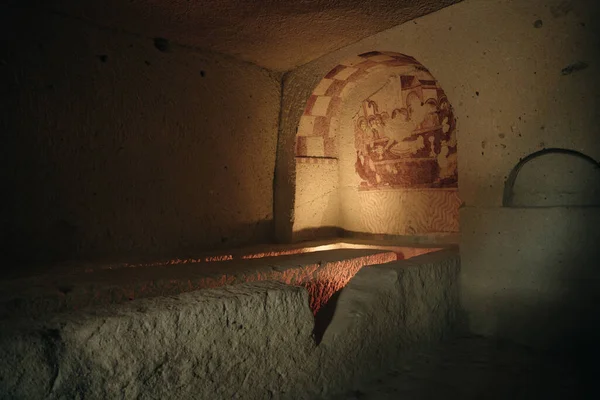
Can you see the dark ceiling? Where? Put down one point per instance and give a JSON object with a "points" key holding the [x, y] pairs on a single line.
{"points": [[276, 34]]}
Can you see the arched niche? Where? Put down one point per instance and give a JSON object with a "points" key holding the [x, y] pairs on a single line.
{"points": [[376, 152], [554, 178]]}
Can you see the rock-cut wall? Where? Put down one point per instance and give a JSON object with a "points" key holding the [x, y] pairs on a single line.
{"points": [[250, 341]]}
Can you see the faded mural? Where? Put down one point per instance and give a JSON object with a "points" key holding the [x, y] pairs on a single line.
{"points": [[405, 135], [376, 151]]}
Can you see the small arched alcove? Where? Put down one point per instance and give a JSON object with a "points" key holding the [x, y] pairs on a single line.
{"points": [[554, 178], [376, 152]]}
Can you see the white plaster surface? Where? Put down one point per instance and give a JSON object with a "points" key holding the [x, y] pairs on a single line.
{"points": [[318, 202], [401, 212]]}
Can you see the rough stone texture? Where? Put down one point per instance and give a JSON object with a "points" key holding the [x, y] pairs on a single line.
{"points": [[474, 368], [115, 149], [386, 309], [250, 341], [276, 34], [29, 361], [531, 275], [321, 273], [487, 55], [235, 342]]}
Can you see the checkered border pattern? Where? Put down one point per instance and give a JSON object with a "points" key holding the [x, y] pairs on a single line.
{"points": [[316, 160], [315, 137]]}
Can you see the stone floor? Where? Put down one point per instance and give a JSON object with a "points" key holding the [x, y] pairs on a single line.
{"points": [[477, 368]]}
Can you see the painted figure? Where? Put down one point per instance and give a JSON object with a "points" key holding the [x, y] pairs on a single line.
{"points": [[364, 143], [416, 146]]}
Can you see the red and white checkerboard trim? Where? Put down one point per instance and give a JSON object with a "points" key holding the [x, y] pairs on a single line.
{"points": [[325, 101], [316, 160]]}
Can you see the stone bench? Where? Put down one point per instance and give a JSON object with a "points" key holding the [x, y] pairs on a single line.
{"points": [[250, 341]]}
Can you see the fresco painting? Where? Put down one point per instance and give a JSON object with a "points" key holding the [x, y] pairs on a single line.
{"points": [[405, 135], [386, 124]]}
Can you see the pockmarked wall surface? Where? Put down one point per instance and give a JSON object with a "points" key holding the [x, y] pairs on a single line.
{"points": [[116, 145], [522, 77]]}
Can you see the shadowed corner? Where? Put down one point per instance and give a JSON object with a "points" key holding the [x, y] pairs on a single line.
{"points": [[324, 316], [533, 279]]}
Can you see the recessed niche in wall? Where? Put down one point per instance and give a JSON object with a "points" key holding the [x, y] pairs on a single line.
{"points": [[554, 178], [376, 150]]}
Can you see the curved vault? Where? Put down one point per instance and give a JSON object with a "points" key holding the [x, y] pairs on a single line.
{"points": [[553, 178], [376, 152]]}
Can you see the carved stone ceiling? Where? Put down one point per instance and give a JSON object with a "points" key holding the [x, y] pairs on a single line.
{"points": [[276, 34]]}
